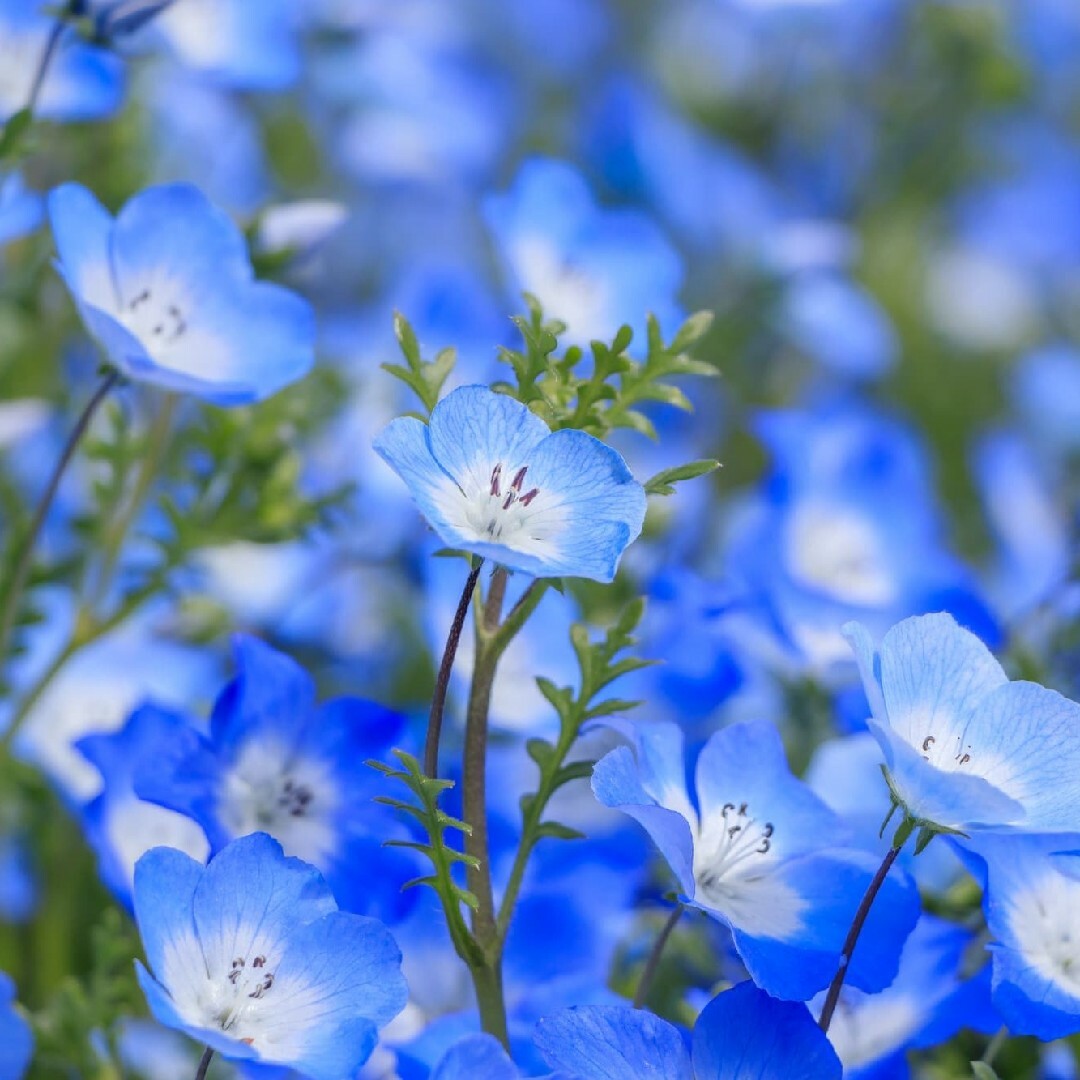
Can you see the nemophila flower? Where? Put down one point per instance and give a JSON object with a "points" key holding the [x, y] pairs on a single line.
{"points": [[276, 762], [964, 748], [167, 290], [16, 1038], [761, 853], [927, 1003], [82, 82], [743, 1034], [251, 957], [490, 477], [1032, 907], [594, 269], [120, 826]]}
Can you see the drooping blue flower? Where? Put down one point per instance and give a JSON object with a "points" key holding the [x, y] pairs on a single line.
{"points": [[251, 957], [16, 1038], [82, 82], [275, 762], [120, 826], [592, 269], [761, 853], [743, 1034], [965, 748], [167, 290], [491, 478], [926, 1004], [1032, 908]]}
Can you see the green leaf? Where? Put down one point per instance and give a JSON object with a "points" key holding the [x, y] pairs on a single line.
{"points": [[692, 331], [663, 483], [981, 1071], [557, 832], [15, 131]]}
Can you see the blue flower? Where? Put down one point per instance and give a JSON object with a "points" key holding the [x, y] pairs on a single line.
{"points": [[925, 1005], [275, 762], [475, 1056], [592, 269], [119, 825], [82, 83], [16, 1038], [251, 956], [491, 478], [21, 209], [1032, 907], [964, 748], [167, 290], [742, 1034], [761, 853]]}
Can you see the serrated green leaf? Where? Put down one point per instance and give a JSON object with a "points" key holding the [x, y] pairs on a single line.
{"points": [[663, 483], [692, 331], [610, 707]]}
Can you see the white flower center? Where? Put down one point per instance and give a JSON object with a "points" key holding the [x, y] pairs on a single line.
{"points": [[505, 509], [156, 315], [1045, 922]]}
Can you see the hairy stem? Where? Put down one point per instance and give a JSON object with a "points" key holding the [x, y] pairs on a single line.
{"points": [[852, 938], [47, 54], [442, 682], [993, 1047], [651, 965], [17, 582], [204, 1064]]}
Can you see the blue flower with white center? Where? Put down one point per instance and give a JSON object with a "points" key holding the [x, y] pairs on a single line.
{"points": [[120, 826], [166, 289], [761, 853], [966, 749], [16, 1038], [251, 957], [743, 1034], [275, 762], [591, 268], [492, 479], [82, 82], [927, 1003], [1032, 907]]}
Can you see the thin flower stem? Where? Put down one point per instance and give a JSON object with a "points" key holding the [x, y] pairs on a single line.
{"points": [[17, 582], [204, 1064], [442, 682], [993, 1047], [653, 962], [857, 924], [45, 62]]}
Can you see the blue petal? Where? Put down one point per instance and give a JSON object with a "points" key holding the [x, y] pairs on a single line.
{"points": [[252, 898], [613, 1042], [617, 783], [744, 1034], [16, 1037], [164, 892], [746, 763], [81, 230], [866, 656], [473, 428], [473, 1057]]}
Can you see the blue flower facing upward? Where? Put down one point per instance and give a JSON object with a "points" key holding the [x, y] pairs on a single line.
{"points": [[760, 853], [966, 749], [251, 957], [491, 478], [166, 288], [741, 1035]]}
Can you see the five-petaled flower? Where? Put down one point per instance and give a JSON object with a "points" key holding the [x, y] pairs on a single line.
{"points": [[492, 479], [251, 957], [168, 292], [966, 749]]}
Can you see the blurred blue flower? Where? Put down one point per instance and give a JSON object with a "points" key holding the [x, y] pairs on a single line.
{"points": [[21, 210], [82, 82], [274, 762], [1046, 385], [743, 1034], [761, 853], [965, 748], [120, 826], [591, 268], [1032, 907], [491, 478], [16, 1038], [251, 957], [927, 1003], [167, 290]]}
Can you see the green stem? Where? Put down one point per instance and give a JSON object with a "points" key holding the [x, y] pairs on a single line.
{"points": [[833, 996], [993, 1048], [45, 62], [442, 681], [204, 1064], [651, 965], [487, 982], [14, 590]]}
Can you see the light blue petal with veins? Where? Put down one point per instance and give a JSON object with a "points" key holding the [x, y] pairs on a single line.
{"points": [[164, 891], [475, 1056]]}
